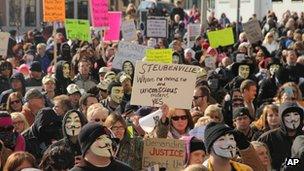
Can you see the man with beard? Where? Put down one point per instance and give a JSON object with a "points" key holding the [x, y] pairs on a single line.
{"points": [[279, 141]]}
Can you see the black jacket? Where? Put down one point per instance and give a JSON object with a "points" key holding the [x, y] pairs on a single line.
{"points": [[267, 91], [115, 165], [4, 95]]}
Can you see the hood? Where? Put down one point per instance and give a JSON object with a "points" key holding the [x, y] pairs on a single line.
{"points": [[65, 51], [83, 121], [47, 126], [58, 72], [20, 77], [288, 107]]}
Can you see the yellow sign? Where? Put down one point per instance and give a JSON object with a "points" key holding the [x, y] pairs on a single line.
{"points": [[159, 55], [222, 37], [53, 10]]}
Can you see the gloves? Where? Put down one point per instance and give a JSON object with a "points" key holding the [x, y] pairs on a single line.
{"points": [[241, 140]]}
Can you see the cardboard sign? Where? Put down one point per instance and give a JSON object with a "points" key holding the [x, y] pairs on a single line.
{"points": [[157, 27], [159, 55], [128, 30], [128, 52], [4, 36], [155, 84], [193, 31], [78, 29], [148, 122], [53, 10], [253, 31], [222, 37], [168, 153], [99, 13], [113, 33]]}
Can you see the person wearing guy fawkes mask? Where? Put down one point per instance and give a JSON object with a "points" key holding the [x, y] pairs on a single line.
{"points": [[213, 80], [72, 123], [115, 92], [45, 130], [279, 141]]}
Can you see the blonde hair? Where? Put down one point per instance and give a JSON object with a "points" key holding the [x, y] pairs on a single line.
{"points": [[266, 39], [95, 108], [203, 121], [214, 108], [19, 115]]}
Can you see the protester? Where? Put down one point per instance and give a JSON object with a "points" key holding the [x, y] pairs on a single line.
{"points": [[14, 102], [19, 122], [74, 95]]}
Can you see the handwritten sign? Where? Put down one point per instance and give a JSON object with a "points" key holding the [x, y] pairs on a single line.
{"points": [[78, 29], [159, 55], [172, 84], [4, 36], [168, 153], [113, 33], [99, 13], [128, 30], [193, 31], [253, 31], [53, 10], [222, 37], [157, 27], [128, 52]]}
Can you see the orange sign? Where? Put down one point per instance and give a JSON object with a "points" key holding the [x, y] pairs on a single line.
{"points": [[53, 10]]}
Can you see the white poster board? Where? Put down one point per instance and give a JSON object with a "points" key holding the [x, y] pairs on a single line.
{"points": [[253, 31], [157, 27], [148, 122], [4, 36], [128, 30], [155, 84], [128, 52], [193, 31]]}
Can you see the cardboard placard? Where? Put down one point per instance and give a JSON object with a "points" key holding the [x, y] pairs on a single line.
{"points": [[159, 55], [128, 52], [113, 32], [128, 30], [253, 31], [193, 31], [53, 10], [157, 27], [4, 37], [168, 153], [99, 13], [78, 29], [222, 37], [155, 84]]}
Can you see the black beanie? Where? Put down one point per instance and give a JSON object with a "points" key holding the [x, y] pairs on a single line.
{"points": [[213, 131], [241, 111], [196, 144], [89, 133]]}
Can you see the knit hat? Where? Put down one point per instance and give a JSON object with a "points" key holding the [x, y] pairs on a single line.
{"points": [[89, 133], [36, 66], [290, 107], [213, 131], [241, 111], [196, 144]]}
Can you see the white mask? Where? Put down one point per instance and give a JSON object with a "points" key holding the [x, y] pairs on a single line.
{"points": [[117, 94], [274, 68], [66, 70], [73, 124], [225, 146], [244, 71], [127, 68], [210, 62], [102, 146], [292, 120]]}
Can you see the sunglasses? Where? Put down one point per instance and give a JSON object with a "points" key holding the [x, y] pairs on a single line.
{"points": [[16, 101], [98, 120], [176, 118], [196, 97]]}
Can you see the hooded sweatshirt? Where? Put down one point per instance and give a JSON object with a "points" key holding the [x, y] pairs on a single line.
{"points": [[4, 95], [65, 53], [61, 82]]}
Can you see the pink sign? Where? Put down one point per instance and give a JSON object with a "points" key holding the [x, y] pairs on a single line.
{"points": [[113, 33], [99, 13]]}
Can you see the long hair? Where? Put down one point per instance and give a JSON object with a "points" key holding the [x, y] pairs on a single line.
{"points": [[17, 158]]}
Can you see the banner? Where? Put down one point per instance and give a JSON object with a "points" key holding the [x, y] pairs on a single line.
{"points": [[168, 153], [78, 29], [4, 37], [128, 30], [222, 37], [159, 55], [155, 84], [157, 27], [113, 33], [253, 31], [128, 52], [99, 13], [53, 10]]}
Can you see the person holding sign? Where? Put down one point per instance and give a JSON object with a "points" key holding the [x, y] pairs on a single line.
{"points": [[174, 123]]}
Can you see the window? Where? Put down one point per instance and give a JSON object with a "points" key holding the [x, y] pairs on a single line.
{"points": [[277, 0], [30, 13], [69, 8], [2, 13], [15, 13], [83, 9]]}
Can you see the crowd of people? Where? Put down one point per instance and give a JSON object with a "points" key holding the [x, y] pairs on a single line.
{"points": [[74, 113]]}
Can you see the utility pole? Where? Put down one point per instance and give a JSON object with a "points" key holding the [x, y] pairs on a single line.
{"points": [[204, 9]]}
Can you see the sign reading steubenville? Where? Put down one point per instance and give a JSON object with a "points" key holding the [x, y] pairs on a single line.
{"points": [[168, 153], [155, 84]]}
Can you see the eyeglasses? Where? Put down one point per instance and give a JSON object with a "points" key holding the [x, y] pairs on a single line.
{"points": [[118, 128], [196, 97], [176, 118], [16, 101]]}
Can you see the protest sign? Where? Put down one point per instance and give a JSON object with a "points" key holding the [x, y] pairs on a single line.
{"points": [[222, 37], [99, 13], [113, 33], [148, 122], [157, 27], [128, 30], [198, 132], [78, 29], [253, 31], [159, 55], [168, 153], [193, 31], [128, 52], [4, 36], [155, 84], [53, 10]]}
